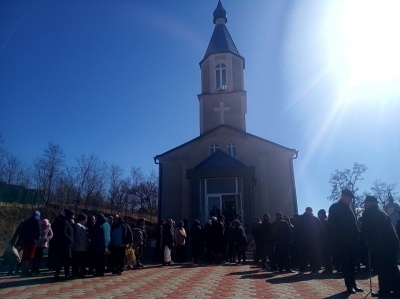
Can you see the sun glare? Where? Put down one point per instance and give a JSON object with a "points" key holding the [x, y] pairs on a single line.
{"points": [[369, 47]]}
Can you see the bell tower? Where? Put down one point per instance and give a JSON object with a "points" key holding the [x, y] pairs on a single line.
{"points": [[223, 98]]}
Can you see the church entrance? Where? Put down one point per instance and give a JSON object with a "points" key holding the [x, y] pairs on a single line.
{"points": [[225, 194]]}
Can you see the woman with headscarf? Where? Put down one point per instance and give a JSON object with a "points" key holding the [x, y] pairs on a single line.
{"points": [[46, 234], [30, 233], [180, 242], [101, 241]]}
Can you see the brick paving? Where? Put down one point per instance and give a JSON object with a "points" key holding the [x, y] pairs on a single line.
{"points": [[186, 281]]}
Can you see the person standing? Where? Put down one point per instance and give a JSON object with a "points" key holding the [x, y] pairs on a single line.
{"points": [[383, 243], [46, 234], [240, 241], [121, 237], [344, 224], [326, 243], [30, 233], [61, 244], [308, 234], [101, 242], [167, 241], [196, 240], [80, 247], [180, 242], [283, 239]]}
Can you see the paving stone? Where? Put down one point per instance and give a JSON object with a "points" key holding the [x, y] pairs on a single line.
{"points": [[184, 281]]}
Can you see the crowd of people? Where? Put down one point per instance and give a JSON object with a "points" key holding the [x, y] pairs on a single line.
{"points": [[85, 245], [338, 241], [341, 242]]}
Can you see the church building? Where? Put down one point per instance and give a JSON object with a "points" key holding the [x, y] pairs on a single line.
{"points": [[225, 166]]}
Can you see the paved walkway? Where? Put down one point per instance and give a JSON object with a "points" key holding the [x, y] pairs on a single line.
{"points": [[185, 281]]}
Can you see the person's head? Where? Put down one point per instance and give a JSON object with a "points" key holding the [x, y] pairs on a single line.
{"points": [[100, 218], [370, 201], [266, 217], [214, 208], [309, 210], [322, 214], [45, 223], [180, 224], [110, 219], [91, 220], [82, 218], [347, 196], [36, 215], [69, 214], [278, 216], [141, 222]]}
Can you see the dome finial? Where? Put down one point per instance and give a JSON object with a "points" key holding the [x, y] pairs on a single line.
{"points": [[220, 14]]}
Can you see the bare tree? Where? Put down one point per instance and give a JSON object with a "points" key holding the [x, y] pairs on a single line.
{"points": [[145, 191], [383, 191], [48, 168], [91, 174], [114, 190], [348, 178], [13, 171]]}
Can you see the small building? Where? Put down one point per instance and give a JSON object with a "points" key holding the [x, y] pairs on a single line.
{"points": [[225, 166]]}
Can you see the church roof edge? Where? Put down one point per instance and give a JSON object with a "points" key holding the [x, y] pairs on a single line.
{"points": [[231, 128]]}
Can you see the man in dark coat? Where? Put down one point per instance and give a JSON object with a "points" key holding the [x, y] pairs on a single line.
{"points": [[283, 238], [217, 232], [257, 235], [326, 241], [267, 242], [60, 250], [383, 243], [196, 240], [344, 224], [308, 234]]}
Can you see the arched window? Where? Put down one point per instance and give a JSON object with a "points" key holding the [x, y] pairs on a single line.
{"points": [[213, 148], [231, 149], [220, 76]]}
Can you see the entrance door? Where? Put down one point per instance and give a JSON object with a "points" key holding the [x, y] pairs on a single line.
{"points": [[213, 201]]}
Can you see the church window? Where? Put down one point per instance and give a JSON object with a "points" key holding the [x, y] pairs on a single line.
{"points": [[220, 76], [213, 148], [231, 149]]}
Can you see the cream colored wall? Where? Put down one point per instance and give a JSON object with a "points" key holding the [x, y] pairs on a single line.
{"points": [[272, 193]]}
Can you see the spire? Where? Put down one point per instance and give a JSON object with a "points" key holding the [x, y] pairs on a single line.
{"points": [[221, 41], [220, 13]]}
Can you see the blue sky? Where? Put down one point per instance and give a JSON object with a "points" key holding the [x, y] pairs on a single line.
{"points": [[120, 79]]}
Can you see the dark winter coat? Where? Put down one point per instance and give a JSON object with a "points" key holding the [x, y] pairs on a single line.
{"points": [[196, 235], [378, 231], [344, 224], [30, 231], [308, 230], [167, 235], [101, 235], [282, 233], [60, 247], [266, 233], [240, 238]]}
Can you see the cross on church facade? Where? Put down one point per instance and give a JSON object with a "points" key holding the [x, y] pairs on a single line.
{"points": [[221, 109]]}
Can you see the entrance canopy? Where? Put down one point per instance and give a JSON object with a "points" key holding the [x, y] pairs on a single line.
{"points": [[224, 182]]}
